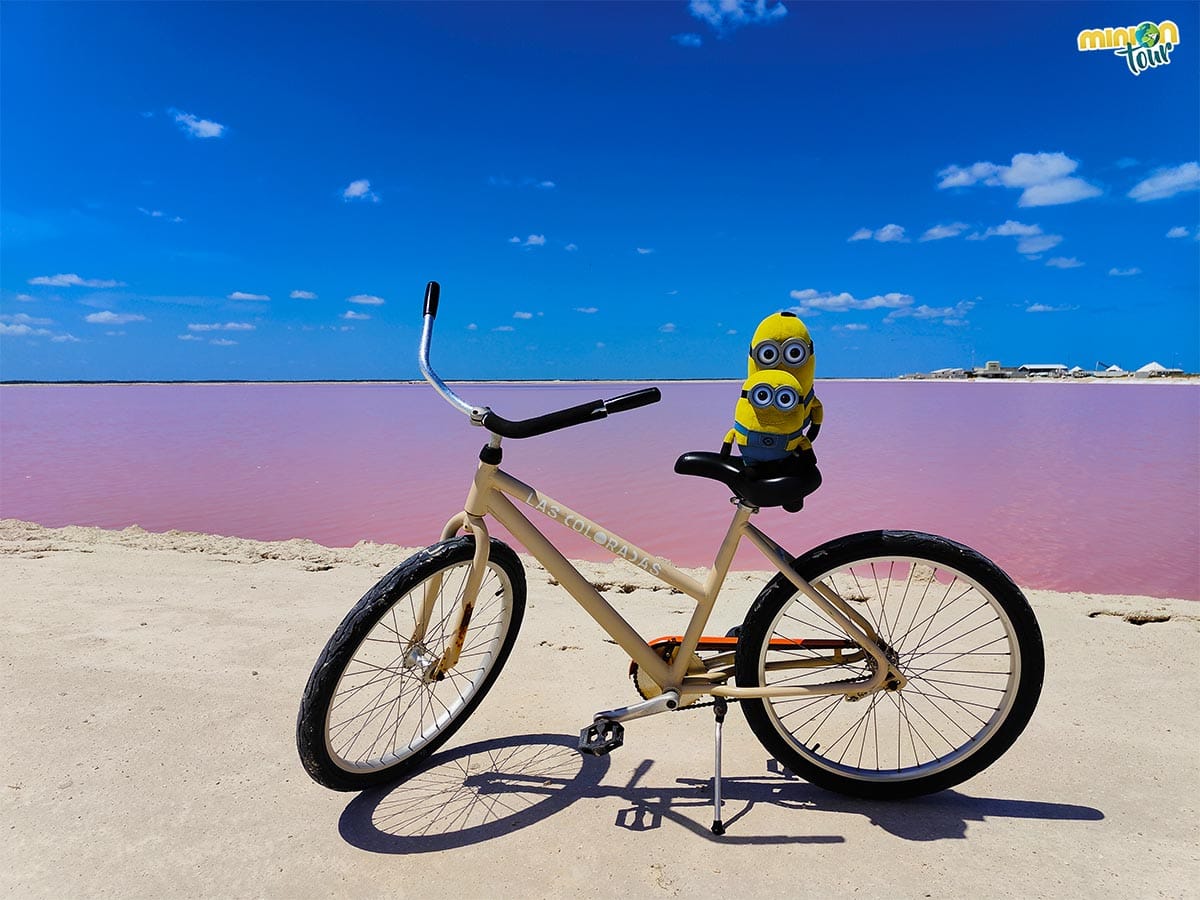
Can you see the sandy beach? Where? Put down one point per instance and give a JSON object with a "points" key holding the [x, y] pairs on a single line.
{"points": [[150, 684]]}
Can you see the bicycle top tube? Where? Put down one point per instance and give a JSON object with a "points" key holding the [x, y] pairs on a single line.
{"points": [[518, 428]]}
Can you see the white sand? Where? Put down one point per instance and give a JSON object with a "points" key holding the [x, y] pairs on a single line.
{"points": [[150, 686]]}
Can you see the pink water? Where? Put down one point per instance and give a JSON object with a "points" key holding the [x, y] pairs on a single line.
{"points": [[1081, 487]]}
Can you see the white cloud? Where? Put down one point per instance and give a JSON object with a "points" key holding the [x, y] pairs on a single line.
{"points": [[1056, 193], [503, 328], [356, 316], [534, 240], [1045, 179], [586, 309], [73, 280], [1031, 240], [1178, 232], [1064, 262], [360, 190], [366, 300], [108, 317], [887, 234], [242, 295], [687, 39], [222, 342], [811, 300], [726, 16], [1038, 243], [1167, 183], [472, 327], [941, 232], [24, 319], [1044, 308], [502, 181], [218, 326], [24, 298], [16, 330], [302, 295], [1123, 273], [159, 214], [571, 248], [66, 339], [667, 328], [731, 331], [196, 127], [1013, 229], [643, 251], [514, 240], [853, 326], [189, 337], [951, 315], [522, 315]]}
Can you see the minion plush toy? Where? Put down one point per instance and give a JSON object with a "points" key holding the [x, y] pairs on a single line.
{"points": [[782, 342], [778, 414], [769, 420]]}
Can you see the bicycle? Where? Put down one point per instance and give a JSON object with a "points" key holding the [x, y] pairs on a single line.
{"points": [[883, 665]]}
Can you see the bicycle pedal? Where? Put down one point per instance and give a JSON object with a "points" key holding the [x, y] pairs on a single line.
{"points": [[601, 738]]}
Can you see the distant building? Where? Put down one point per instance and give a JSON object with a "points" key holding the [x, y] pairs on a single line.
{"points": [[993, 369], [1155, 370], [1053, 370]]}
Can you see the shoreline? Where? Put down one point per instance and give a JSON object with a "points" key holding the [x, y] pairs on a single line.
{"points": [[20, 536]]}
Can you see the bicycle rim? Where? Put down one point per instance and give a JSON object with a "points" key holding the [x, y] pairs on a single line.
{"points": [[950, 636], [384, 708]]}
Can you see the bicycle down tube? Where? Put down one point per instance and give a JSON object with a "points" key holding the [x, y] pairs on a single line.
{"points": [[487, 496]]}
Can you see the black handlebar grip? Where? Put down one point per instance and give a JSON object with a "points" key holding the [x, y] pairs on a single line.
{"points": [[432, 291], [633, 400], [539, 425]]}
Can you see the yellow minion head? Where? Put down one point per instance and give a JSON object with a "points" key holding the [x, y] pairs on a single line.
{"points": [[782, 341], [769, 419], [771, 401]]}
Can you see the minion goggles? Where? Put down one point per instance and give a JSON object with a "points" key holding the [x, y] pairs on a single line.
{"points": [[763, 395], [793, 352]]}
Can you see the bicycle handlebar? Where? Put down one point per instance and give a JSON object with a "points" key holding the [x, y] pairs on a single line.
{"points": [[565, 418], [519, 428]]}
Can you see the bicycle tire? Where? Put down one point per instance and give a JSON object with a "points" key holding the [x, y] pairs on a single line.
{"points": [[369, 715], [962, 633]]}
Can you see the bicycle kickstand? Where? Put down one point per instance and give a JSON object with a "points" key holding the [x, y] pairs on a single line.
{"points": [[719, 709]]}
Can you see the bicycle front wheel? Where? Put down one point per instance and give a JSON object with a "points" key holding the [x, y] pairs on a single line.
{"points": [[956, 626], [372, 710]]}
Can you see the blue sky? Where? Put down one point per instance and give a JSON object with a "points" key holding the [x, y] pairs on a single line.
{"points": [[604, 190]]}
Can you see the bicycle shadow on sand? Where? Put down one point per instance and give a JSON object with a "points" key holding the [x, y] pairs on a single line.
{"points": [[482, 791]]}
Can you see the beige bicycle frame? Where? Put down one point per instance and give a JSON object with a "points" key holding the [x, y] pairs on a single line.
{"points": [[489, 495]]}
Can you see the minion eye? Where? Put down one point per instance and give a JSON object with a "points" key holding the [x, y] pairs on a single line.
{"points": [[761, 396], [786, 398], [795, 352], [767, 353]]}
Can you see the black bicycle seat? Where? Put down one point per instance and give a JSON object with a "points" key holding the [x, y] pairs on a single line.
{"points": [[784, 482]]}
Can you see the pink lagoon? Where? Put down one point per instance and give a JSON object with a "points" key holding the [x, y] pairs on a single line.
{"points": [[1070, 487]]}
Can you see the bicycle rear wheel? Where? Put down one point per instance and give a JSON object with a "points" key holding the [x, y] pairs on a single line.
{"points": [[958, 628], [370, 712]]}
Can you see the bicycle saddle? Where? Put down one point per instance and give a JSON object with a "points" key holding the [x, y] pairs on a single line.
{"points": [[785, 483]]}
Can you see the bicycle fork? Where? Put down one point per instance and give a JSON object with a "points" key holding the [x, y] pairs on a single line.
{"points": [[436, 668]]}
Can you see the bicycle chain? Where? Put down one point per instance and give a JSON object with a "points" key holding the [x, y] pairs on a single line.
{"points": [[692, 706]]}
